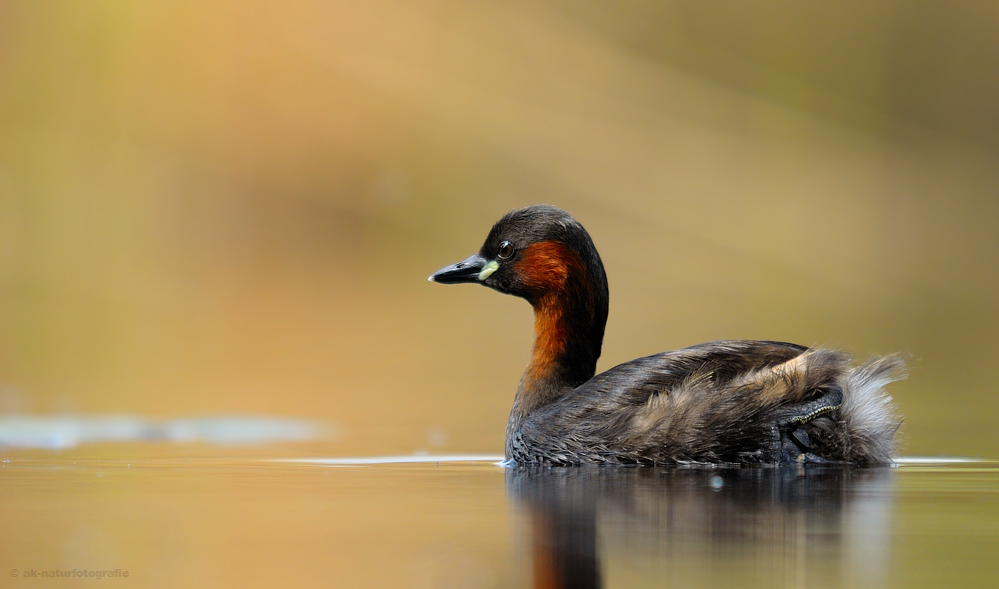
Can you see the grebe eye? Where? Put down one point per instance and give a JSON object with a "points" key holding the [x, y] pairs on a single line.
{"points": [[505, 250]]}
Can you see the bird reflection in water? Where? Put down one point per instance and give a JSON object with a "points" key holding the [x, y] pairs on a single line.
{"points": [[785, 522]]}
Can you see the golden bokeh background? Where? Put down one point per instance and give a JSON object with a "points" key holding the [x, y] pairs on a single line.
{"points": [[231, 208]]}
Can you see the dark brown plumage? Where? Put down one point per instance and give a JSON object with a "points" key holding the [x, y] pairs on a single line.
{"points": [[726, 401]]}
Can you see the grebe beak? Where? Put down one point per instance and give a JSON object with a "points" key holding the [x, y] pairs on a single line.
{"points": [[475, 268]]}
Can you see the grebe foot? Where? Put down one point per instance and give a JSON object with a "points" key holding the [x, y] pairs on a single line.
{"points": [[792, 446], [789, 442], [789, 417]]}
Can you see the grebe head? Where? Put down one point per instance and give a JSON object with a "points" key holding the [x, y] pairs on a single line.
{"points": [[533, 253], [541, 254]]}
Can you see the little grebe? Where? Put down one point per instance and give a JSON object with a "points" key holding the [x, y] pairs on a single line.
{"points": [[726, 401]]}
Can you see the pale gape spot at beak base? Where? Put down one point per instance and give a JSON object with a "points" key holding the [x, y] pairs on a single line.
{"points": [[487, 270]]}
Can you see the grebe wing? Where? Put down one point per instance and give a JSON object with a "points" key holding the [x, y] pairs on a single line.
{"points": [[722, 361]]}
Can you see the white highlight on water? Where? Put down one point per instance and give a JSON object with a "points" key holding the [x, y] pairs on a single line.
{"points": [[401, 459], [69, 431]]}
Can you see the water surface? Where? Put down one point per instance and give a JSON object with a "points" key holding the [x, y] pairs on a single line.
{"points": [[244, 520]]}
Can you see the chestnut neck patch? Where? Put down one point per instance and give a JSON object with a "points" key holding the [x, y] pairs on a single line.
{"points": [[559, 289]]}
